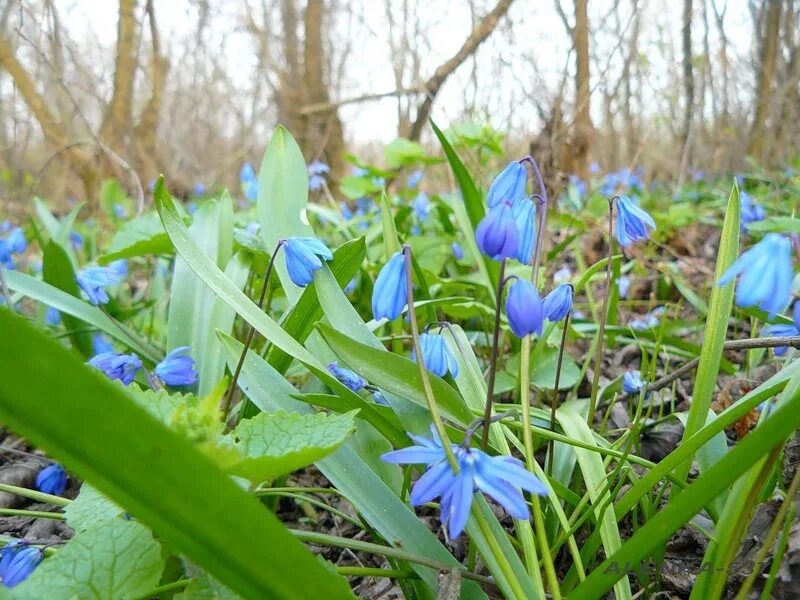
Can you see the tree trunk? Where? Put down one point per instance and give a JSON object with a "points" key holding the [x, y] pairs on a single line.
{"points": [[583, 123], [766, 75], [688, 87]]}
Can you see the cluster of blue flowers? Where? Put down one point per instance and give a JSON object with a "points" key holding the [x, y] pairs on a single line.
{"points": [[11, 244], [317, 170], [623, 181], [750, 211]]}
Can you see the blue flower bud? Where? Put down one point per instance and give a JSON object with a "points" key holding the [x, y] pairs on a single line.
{"points": [[436, 355], [389, 296], [623, 285], [18, 562], [177, 368], [117, 366], [508, 186], [632, 382], [350, 379], [303, 256], [632, 222], [766, 274], [558, 303], [524, 212], [497, 235], [524, 308], [52, 480], [94, 280]]}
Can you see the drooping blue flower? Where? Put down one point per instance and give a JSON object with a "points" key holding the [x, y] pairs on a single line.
{"points": [[436, 355], [199, 189], [177, 368], [497, 235], [316, 171], [648, 320], [524, 212], [766, 274], [304, 255], [76, 239], [249, 182], [16, 241], [781, 330], [94, 280], [117, 365], [750, 211], [421, 206], [52, 480], [499, 477], [53, 317], [389, 295], [17, 561], [100, 344], [508, 186], [632, 382], [558, 303], [524, 308], [317, 167], [350, 379], [120, 211], [632, 222], [458, 251], [623, 285], [414, 179]]}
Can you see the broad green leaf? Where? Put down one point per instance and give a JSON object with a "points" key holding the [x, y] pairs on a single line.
{"points": [[89, 508], [657, 530], [93, 426], [140, 236], [204, 587], [57, 270], [112, 559], [776, 224], [282, 198], [716, 328], [276, 444], [403, 153], [69, 304]]}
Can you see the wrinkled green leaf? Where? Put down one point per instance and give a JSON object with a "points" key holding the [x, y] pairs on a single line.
{"points": [[140, 236], [89, 508]]}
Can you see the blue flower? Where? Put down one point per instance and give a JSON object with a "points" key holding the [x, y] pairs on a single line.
{"points": [[53, 317], [249, 181], [351, 286], [5, 255], [623, 285], [359, 172], [316, 172], [499, 477], [414, 179], [346, 212], [436, 355], [117, 365], [16, 241], [781, 330], [632, 222], [379, 398], [304, 255], [318, 167], [648, 320], [389, 296], [199, 189], [497, 235], [120, 211], [17, 561], [52, 480], [750, 211], [120, 267], [458, 251], [350, 379], [100, 344], [94, 280], [76, 239], [558, 303], [177, 368], [766, 274], [508, 186], [579, 185], [524, 212], [421, 206], [594, 168], [632, 382], [5, 226], [524, 308], [562, 275]]}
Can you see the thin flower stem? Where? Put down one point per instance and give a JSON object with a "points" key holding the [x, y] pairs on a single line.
{"points": [[376, 572], [36, 514], [250, 335], [598, 354], [547, 559], [423, 371], [487, 416], [34, 495], [497, 552], [554, 400]]}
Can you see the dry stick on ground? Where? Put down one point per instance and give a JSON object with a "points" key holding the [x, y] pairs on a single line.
{"points": [[763, 342]]}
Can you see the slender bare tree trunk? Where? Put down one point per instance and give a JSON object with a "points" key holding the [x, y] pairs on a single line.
{"points": [[583, 122], [766, 76], [688, 87]]}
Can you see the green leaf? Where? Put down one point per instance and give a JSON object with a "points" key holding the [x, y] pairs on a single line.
{"points": [[395, 373], [89, 508], [112, 559], [776, 224], [276, 444], [205, 587], [282, 198], [57, 270], [93, 426], [140, 236], [403, 153], [657, 530], [716, 328], [68, 304]]}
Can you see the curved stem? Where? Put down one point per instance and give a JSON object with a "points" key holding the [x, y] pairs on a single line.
{"points": [[487, 416], [250, 335]]}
